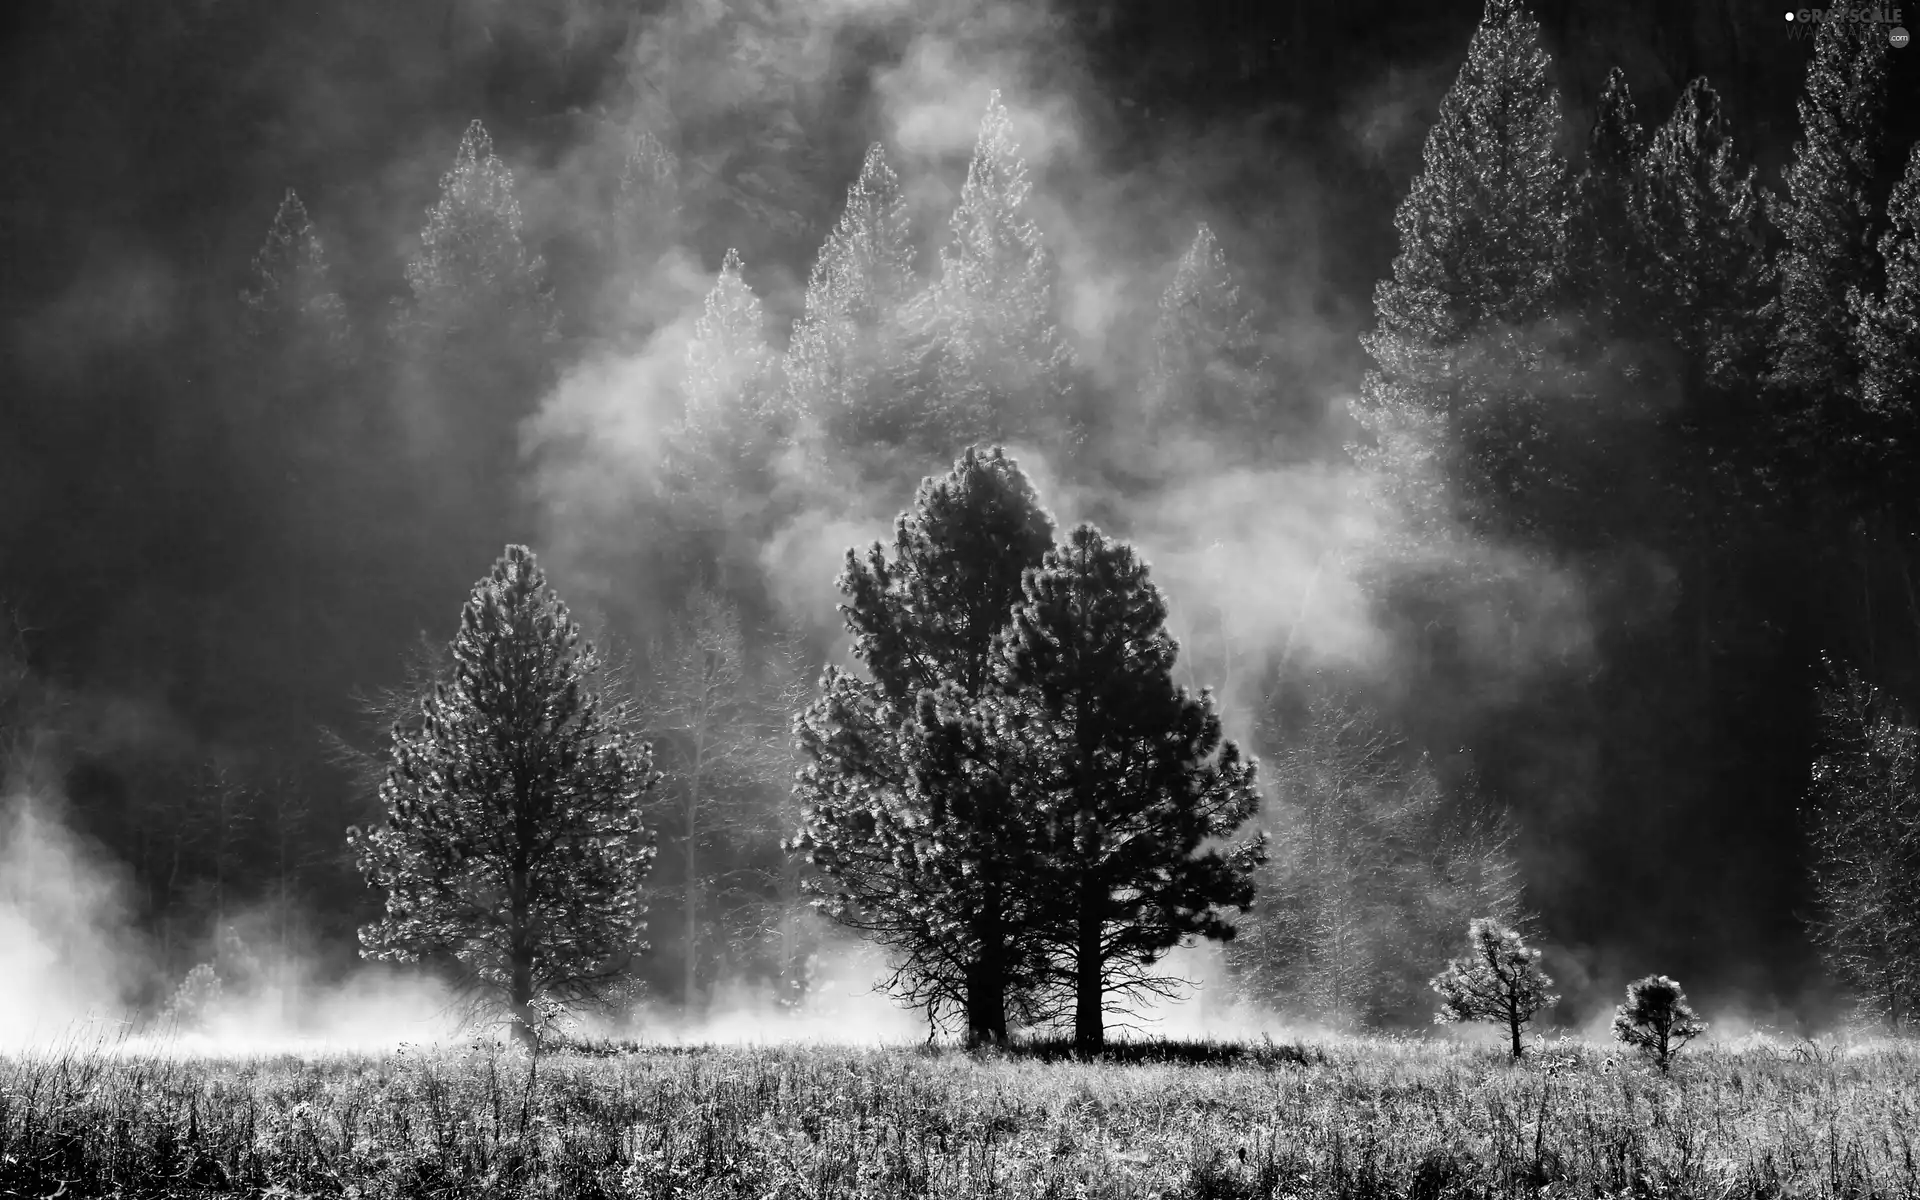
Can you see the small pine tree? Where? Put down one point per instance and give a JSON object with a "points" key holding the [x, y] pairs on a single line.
{"points": [[1128, 774], [1498, 980], [512, 851], [1657, 1019]]}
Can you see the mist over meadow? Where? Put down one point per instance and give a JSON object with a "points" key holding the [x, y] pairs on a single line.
{"points": [[308, 314]]}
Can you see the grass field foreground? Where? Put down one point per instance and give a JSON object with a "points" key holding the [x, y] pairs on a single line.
{"points": [[1384, 1118]]}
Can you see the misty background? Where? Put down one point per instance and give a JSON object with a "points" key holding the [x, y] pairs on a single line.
{"points": [[224, 543]]}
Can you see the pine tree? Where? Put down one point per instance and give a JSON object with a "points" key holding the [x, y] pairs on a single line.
{"points": [[1450, 407], [1127, 772], [1498, 980], [1606, 271], [904, 777], [646, 209], [1209, 369], [511, 851], [1657, 1019], [1827, 224], [473, 273], [291, 301], [476, 342], [998, 362], [1702, 220], [1888, 336], [1864, 830], [845, 344], [732, 416]]}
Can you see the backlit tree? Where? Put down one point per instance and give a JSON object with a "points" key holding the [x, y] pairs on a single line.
{"points": [[512, 852]]}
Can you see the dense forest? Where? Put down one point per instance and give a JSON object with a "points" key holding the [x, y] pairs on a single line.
{"points": [[1518, 436]]}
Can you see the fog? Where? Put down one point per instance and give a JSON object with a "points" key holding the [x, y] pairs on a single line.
{"points": [[248, 597]]}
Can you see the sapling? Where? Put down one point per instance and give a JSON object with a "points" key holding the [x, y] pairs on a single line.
{"points": [[1656, 1019], [1498, 980]]}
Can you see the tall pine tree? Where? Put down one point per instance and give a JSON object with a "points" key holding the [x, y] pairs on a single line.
{"points": [[1887, 333], [292, 301], [992, 352], [1450, 406], [845, 345], [511, 852], [1605, 273], [1210, 373], [1127, 774], [734, 417], [909, 822], [1826, 221]]}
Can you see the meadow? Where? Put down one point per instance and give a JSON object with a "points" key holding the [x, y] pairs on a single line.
{"points": [[1362, 1118]]}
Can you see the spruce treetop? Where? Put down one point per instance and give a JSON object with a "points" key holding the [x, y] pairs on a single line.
{"points": [[727, 359], [290, 278], [1889, 326], [860, 281], [1003, 359], [1826, 216], [1480, 230], [470, 248], [1207, 357]]}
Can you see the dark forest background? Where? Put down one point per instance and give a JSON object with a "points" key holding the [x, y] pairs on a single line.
{"points": [[210, 552]]}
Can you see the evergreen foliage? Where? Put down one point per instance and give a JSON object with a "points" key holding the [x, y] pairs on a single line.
{"points": [[1128, 775], [908, 822], [1826, 223], [473, 272], [1887, 333], [292, 299], [1605, 273], [646, 209], [1209, 367], [846, 342], [1657, 1019], [1452, 408], [1498, 980], [511, 849], [991, 350]]}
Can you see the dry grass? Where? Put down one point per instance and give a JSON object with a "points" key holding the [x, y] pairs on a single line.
{"points": [[1361, 1119]]}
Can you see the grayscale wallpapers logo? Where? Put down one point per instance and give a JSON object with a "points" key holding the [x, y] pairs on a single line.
{"points": [[1802, 22]]}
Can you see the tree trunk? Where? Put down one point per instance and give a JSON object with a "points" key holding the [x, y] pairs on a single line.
{"points": [[525, 1019], [987, 982], [520, 946], [1089, 1030], [1513, 1029], [691, 898]]}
